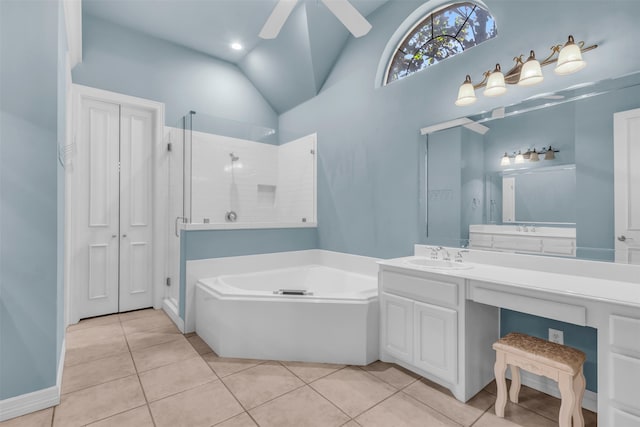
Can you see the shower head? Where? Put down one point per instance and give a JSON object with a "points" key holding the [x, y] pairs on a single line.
{"points": [[234, 158]]}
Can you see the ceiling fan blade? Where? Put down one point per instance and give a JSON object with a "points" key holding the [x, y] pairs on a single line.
{"points": [[349, 16], [277, 19]]}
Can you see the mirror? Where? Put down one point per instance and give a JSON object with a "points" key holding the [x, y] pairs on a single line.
{"points": [[544, 195], [464, 170]]}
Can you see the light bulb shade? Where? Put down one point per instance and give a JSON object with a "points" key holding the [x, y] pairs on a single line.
{"points": [[533, 157], [519, 158], [466, 93], [569, 59], [531, 72], [549, 154], [495, 83], [505, 160]]}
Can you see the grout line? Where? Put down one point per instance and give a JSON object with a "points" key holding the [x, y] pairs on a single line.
{"points": [[113, 415]]}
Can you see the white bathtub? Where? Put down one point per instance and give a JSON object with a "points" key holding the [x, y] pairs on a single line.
{"points": [[240, 316]]}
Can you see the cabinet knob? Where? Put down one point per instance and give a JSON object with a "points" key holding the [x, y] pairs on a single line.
{"points": [[622, 237], [124, 236]]}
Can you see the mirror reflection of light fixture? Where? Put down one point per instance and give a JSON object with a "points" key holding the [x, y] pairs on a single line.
{"points": [[570, 58], [525, 73], [495, 83], [530, 155], [519, 158]]}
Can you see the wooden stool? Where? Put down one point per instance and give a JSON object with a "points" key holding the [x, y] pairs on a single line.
{"points": [[560, 363]]}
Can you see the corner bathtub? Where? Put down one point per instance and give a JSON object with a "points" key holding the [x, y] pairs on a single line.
{"points": [[240, 316]]}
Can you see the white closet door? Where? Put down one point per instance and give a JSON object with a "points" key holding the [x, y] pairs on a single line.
{"points": [[96, 206], [136, 254], [627, 186]]}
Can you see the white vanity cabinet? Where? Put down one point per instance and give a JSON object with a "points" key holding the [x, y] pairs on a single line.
{"points": [[423, 329], [537, 240]]}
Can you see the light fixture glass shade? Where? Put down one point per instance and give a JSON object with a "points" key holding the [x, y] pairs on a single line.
{"points": [[533, 157], [569, 59], [495, 83], [466, 93], [531, 72], [549, 154], [519, 158], [505, 160]]}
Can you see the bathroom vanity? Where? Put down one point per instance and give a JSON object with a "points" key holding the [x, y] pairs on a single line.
{"points": [[439, 318]]}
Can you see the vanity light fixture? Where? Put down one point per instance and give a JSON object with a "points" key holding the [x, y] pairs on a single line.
{"points": [[525, 73], [530, 155]]}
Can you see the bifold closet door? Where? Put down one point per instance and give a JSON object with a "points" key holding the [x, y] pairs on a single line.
{"points": [[96, 205], [136, 127], [112, 249]]}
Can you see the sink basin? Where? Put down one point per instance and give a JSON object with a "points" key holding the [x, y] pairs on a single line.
{"points": [[437, 263]]}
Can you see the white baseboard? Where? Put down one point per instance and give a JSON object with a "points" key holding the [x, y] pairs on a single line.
{"points": [[550, 387], [171, 309], [36, 400]]}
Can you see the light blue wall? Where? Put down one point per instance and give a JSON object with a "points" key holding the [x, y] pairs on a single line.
{"points": [[125, 61], [224, 243], [30, 277]]}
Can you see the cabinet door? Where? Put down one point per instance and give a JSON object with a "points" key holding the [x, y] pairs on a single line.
{"points": [[397, 327], [436, 341]]}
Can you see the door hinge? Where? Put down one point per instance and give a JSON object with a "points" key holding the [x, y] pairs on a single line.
{"points": [[312, 151], [169, 146], [168, 281]]}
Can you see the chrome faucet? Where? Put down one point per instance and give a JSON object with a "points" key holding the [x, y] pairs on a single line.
{"points": [[459, 255], [434, 252], [445, 254]]}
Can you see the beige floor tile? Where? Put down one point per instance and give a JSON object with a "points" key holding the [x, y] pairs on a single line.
{"points": [[83, 375], [199, 345], [309, 372], [176, 377], [353, 390], [515, 415], [301, 407], [204, 406], [464, 414], [242, 420], [81, 353], [225, 366], [138, 417], [98, 402], [401, 410], [254, 386], [391, 374], [35, 419], [161, 335], [140, 324], [94, 321], [163, 354]]}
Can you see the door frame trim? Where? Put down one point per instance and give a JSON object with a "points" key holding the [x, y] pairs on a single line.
{"points": [[159, 190]]}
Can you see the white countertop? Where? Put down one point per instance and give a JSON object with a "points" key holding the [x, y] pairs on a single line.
{"points": [[623, 292]]}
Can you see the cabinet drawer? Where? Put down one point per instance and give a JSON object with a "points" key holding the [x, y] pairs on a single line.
{"points": [[480, 240], [528, 244], [623, 334], [421, 288], [624, 380], [558, 246]]}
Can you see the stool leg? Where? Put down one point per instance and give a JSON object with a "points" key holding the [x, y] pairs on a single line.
{"points": [[579, 384], [499, 369], [565, 384], [514, 391]]}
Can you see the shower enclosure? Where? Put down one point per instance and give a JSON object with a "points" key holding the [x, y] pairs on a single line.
{"points": [[226, 175]]}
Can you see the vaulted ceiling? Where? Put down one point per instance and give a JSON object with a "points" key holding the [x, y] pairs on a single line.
{"points": [[288, 70]]}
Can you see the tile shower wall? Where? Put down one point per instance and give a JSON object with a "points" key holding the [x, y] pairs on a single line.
{"points": [[259, 182]]}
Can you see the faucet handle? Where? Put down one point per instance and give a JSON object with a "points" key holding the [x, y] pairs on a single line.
{"points": [[459, 255], [434, 252]]}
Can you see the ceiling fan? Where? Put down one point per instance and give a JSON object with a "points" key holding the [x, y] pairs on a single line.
{"points": [[342, 9]]}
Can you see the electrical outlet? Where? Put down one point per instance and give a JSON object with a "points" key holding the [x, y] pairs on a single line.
{"points": [[556, 336]]}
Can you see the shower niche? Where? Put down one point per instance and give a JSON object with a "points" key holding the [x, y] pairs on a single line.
{"points": [[226, 174]]}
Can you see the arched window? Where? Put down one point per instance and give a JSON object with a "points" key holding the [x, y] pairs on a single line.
{"points": [[441, 34]]}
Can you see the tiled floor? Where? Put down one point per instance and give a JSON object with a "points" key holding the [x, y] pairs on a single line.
{"points": [[136, 369]]}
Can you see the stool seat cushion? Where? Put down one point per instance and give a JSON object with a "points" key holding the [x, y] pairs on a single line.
{"points": [[559, 356]]}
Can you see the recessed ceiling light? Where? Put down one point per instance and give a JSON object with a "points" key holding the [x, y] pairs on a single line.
{"points": [[236, 46]]}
